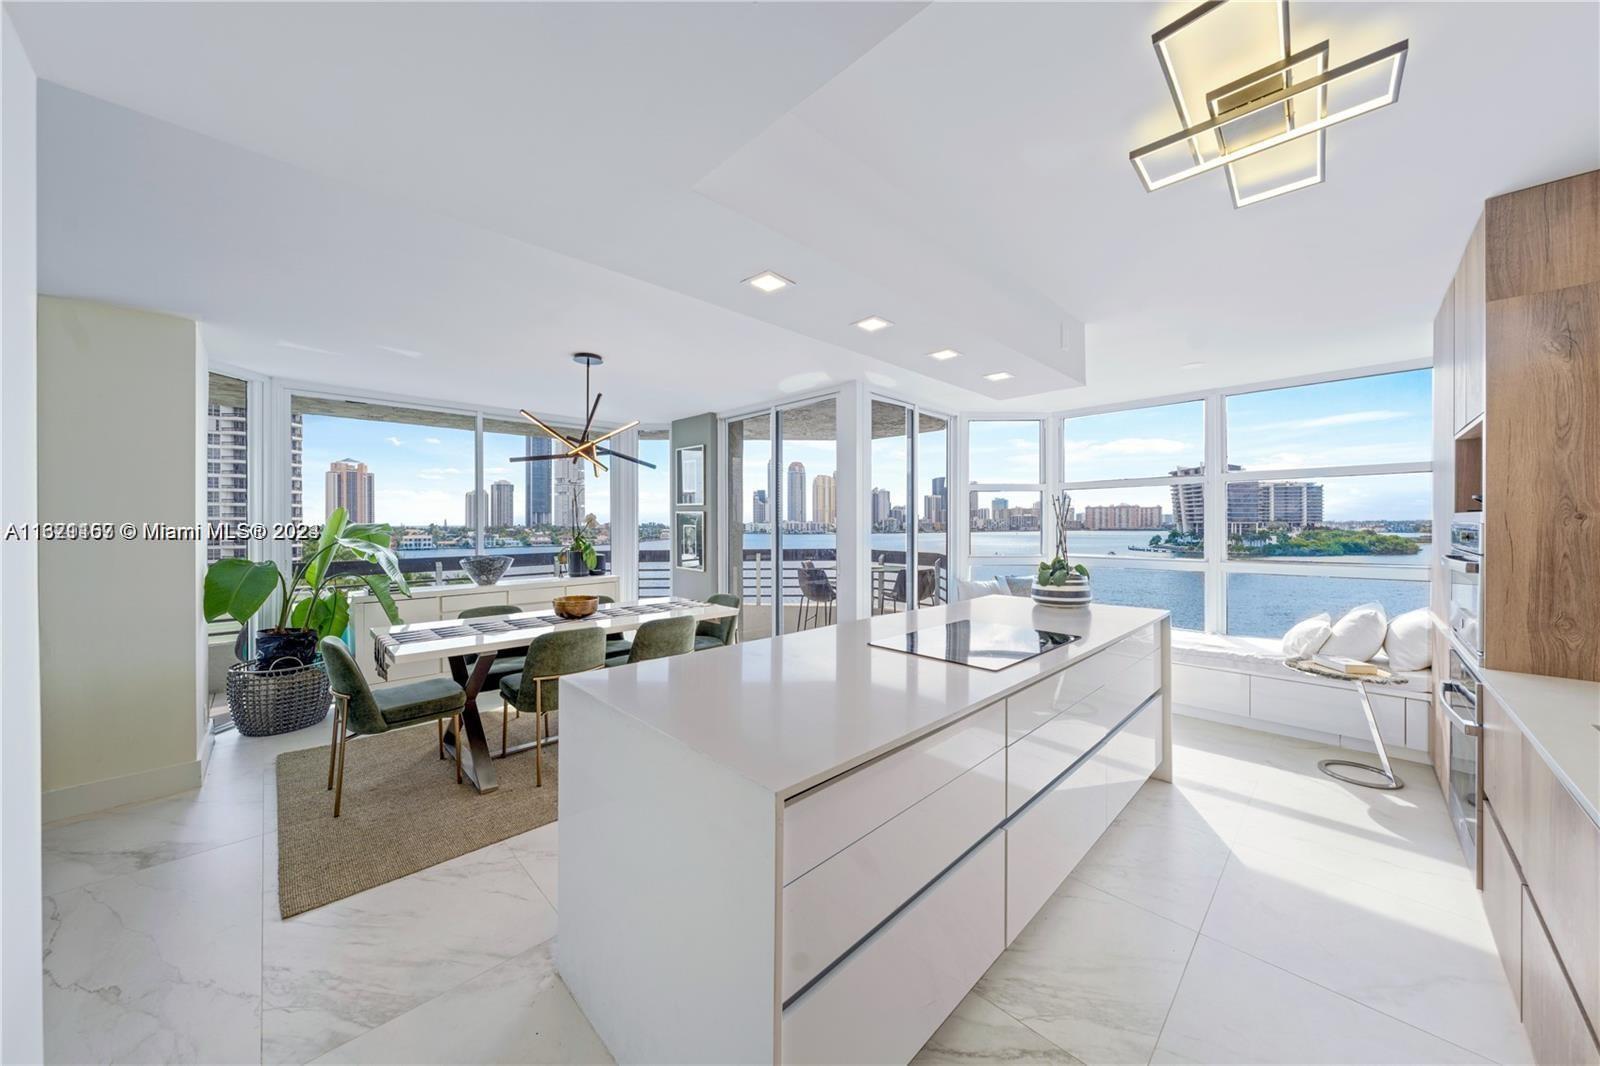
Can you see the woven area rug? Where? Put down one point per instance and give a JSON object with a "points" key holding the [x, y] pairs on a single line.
{"points": [[402, 811]]}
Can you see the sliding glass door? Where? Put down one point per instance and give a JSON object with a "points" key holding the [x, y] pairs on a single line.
{"points": [[808, 514], [908, 508], [751, 520]]}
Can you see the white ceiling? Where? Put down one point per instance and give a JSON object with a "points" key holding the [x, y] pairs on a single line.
{"points": [[494, 186]]}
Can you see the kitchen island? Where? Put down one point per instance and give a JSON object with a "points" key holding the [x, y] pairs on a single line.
{"points": [[810, 848]]}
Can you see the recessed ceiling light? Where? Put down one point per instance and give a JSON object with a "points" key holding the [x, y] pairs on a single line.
{"points": [[944, 354], [998, 375], [767, 281], [873, 323], [1192, 366]]}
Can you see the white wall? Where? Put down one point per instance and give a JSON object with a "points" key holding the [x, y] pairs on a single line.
{"points": [[120, 401], [21, 982]]}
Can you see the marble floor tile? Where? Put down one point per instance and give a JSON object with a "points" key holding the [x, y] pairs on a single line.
{"points": [[979, 1032], [537, 851], [160, 965], [1236, 1009], [1169, 868], [520, 1011], [145, 835], [1402, 841], [333, 973], [1091, 974], [1429, 967]]}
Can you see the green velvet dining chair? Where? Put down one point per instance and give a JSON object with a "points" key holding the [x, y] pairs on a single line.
{"points": [[657, 639], [359, 710], [550, 657], [717, 632]]}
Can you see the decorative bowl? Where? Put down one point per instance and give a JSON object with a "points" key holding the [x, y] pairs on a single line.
{"points": [[485, 569], [1075, 593], [576, 607]]}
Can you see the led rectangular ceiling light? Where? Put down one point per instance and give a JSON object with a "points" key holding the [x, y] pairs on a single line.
{"points": [[1251, 105], [1352, 89], [872, 324], [944, 354], [998, 375], [767, 281]]}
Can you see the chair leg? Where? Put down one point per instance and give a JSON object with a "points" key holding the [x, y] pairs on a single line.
{"points": [[338, 786], [333, 744], [440, 723], [538, 748], [505, 728], [460, 742]]}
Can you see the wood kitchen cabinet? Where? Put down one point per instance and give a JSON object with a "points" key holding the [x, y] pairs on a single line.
{"points": [[1502, 900], [1556, 1027], [1468, 307]]}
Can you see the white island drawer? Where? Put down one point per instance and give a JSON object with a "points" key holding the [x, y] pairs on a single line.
{"points": [[883, 1002], [1046, 841], [831, 907], [835, 814], [1047, 751], [1130, 757]]}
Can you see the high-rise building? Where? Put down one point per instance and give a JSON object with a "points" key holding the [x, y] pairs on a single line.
{"points": [[1293, 503], [501, 508], [824, 500], [475, 504], [758, 507], [1121, 516], [937, 506], [349, 485], [536, 483], [227, 463], [566, 494], [297, 451], [881, 502], [794, 492]]}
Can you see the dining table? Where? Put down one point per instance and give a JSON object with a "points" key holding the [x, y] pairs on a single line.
{"points": [[471, 645]]}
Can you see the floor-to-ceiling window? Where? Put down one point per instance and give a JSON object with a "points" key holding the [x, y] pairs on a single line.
{"points": [[1132, 506], [808, 513], [407, 467], [655, 514], [227, 466], [531, 506], [751, 519], [1005, 496], [1242, 511], [907, 507], [1329, 500]]}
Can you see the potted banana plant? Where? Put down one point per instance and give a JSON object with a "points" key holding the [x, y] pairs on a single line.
{"points": [[314, 601]]}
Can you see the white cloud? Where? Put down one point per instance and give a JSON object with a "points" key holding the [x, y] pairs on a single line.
{"points": [[396, 441], [1347, 418], [1128, 446], [437, 473], [497, 470], [431, 440]]}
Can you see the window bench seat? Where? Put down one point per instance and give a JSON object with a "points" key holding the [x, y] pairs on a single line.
{"points": [[1242, 681]]}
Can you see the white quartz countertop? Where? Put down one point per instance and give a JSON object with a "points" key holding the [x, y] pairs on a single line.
{"points": [[1561, 719], [793, 711]]}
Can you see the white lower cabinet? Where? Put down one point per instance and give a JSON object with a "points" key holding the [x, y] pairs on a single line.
{"points": [[1046, 841], [1130, 756], [881, 1004], [840, 901]]}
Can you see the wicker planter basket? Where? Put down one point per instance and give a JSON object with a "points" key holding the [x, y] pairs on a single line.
{"points": [[279, 700]]}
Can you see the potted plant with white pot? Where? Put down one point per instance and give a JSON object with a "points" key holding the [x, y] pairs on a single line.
{"points": [[1059, 582]]}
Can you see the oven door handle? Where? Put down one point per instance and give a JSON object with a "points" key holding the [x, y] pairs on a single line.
{"points": [[1467, 726], [1462, 565]]}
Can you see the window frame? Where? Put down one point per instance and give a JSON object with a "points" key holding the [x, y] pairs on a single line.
{"points": [[1049, 473], [1215, 563]]}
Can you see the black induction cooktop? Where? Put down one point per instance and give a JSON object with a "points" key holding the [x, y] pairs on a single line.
{"points": [[984, 645]]}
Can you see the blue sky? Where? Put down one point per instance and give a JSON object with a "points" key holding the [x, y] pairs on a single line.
{"points": [[421, 474]]}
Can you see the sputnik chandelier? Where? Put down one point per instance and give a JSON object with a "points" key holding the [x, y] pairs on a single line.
{"points": [[583, 449], [1252, 105]]}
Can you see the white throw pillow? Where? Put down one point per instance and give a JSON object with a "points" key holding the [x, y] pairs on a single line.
{"points": [[1359, 634], [1407, 641], [1019, 584], [971, 590], [1306, 638]]}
